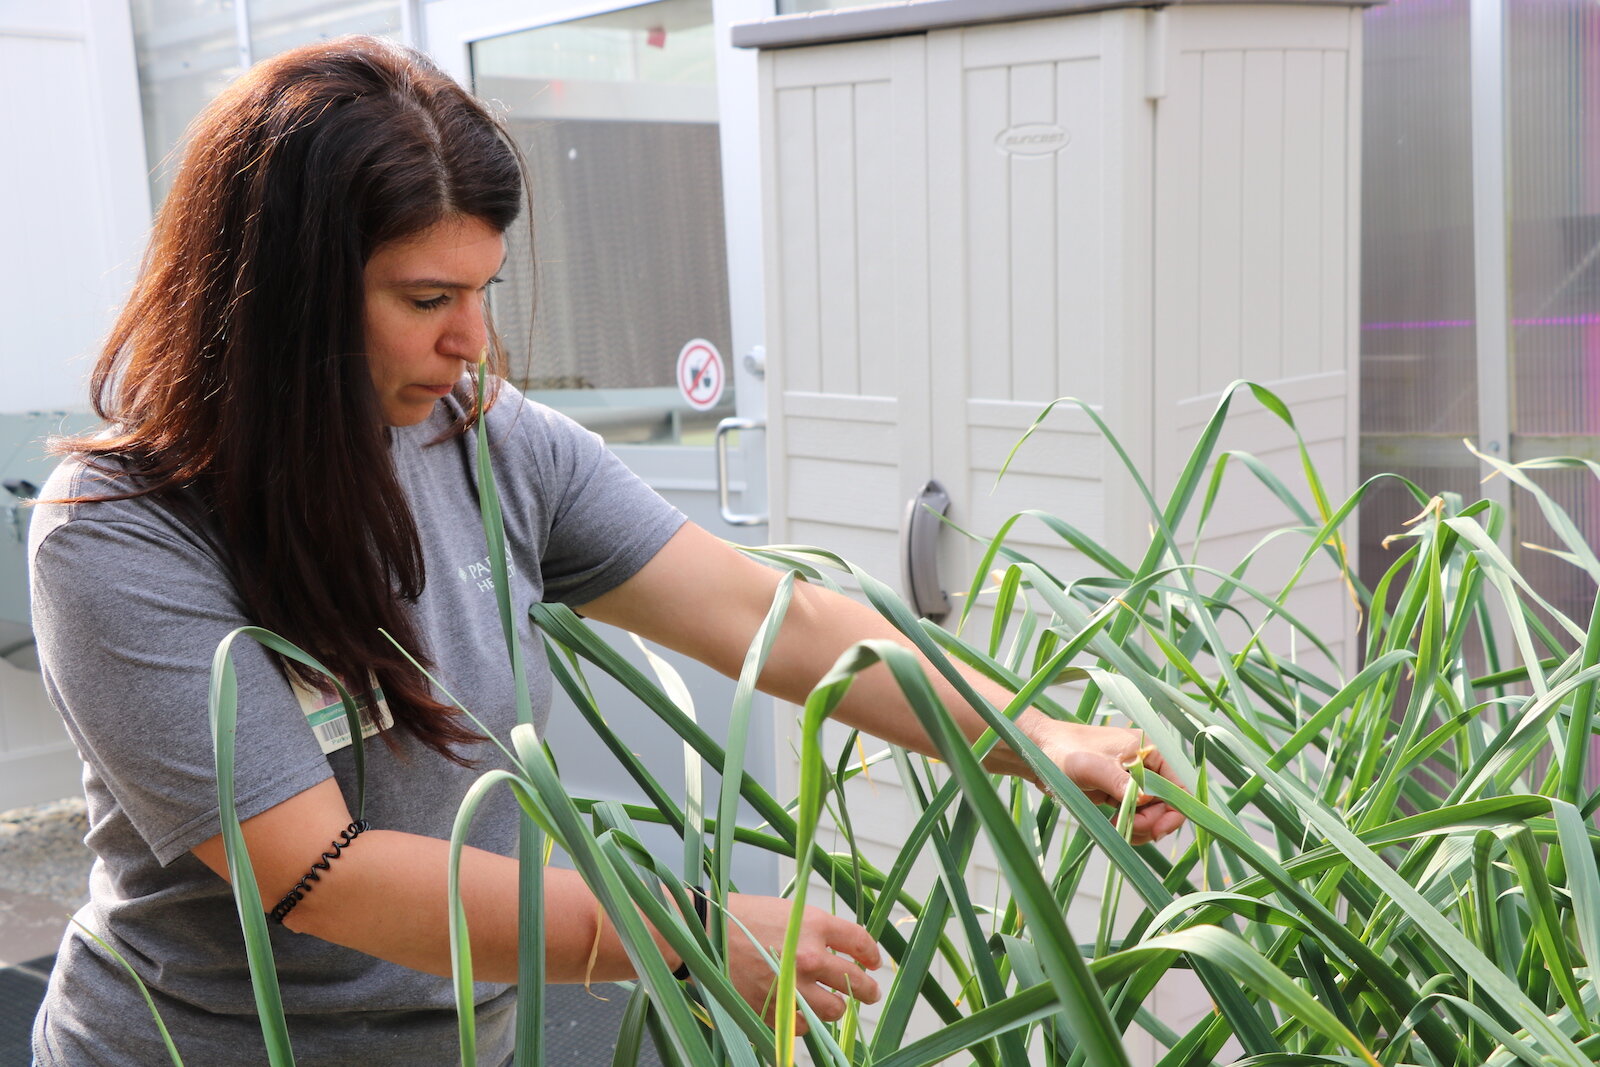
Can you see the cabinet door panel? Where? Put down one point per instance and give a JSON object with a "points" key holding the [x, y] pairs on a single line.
{"points": [[848, 347]]}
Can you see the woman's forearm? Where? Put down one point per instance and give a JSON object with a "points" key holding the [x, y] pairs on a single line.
{"points": [[700, 597], [819, 627], [388, 896]]}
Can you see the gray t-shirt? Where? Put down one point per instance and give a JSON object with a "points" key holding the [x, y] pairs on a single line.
{"points": [[130, 602]]}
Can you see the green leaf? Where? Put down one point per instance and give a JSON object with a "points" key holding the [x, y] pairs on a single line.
{"points": [[144, 991], [1244, 963]]}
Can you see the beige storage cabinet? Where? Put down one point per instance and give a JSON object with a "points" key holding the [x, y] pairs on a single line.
{"points": [[972, 208]]}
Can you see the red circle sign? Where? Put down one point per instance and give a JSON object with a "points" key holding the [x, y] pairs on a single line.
{"points": [[700, 374]]}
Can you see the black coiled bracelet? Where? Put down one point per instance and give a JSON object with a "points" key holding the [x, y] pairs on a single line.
{"points": [[303, 886]]}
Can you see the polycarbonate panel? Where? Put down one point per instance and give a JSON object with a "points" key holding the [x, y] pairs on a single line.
{"points": [[1553, 125], [1418, 349], [1553, 91]]}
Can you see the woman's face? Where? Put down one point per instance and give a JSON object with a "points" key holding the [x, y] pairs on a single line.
{"points": [[424, 313]]}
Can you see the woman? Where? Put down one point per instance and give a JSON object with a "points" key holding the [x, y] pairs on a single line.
{"points": [[289, 445]]}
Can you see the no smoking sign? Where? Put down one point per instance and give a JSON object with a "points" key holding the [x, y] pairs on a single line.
{"points": [[700, 374]]}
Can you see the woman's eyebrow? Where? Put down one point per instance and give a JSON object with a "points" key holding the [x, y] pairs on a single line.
{"points": [[430, 283], [434, 283], [443, 283]]}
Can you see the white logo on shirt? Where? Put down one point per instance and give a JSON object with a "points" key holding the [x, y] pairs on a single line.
{"points": [[482, 575]]}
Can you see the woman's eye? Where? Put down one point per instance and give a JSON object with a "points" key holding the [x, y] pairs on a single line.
{"points": [[431, 304]]}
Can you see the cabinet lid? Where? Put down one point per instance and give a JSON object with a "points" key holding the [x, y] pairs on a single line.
{"points": [[920, 16]]}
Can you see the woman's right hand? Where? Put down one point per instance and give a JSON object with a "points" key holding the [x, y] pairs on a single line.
{"points": [[831, 964]]}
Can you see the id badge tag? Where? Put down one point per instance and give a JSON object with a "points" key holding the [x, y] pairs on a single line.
{"points": [[325, 714]]}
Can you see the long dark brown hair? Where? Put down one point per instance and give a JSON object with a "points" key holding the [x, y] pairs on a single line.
{"points": [[235, 377]]}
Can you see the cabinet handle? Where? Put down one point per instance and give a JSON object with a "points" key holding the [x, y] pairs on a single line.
{"points": [[725, 427], [920, 556]]}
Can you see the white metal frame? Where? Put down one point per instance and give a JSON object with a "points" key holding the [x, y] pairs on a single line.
{"points": [[1490, 224]]}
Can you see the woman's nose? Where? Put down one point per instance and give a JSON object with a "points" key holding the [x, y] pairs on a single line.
{"points": [[468, 332]]}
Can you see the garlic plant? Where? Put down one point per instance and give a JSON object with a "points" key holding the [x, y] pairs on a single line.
{"points": [[1392, 868]]}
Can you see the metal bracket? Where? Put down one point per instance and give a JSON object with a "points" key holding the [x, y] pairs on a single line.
{"points": [[920, 555], [729, 516]]}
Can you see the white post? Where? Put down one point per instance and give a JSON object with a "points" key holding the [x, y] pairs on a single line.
{"points": [[1490, 224]]}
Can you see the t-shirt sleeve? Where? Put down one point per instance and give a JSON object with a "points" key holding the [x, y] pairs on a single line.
{"points": [[601, 522], [129, 616]]}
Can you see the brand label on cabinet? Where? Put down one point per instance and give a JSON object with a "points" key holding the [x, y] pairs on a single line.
{"points": [[1033, 139]]}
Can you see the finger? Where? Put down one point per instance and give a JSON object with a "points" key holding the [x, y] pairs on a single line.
{"points": [[1170, 821], [842, 935], [1155, 761], [1139, 834], [1155, 821], [829, 1006], [1144, 824], [848, 978], [1097, 773], [817, 965]]}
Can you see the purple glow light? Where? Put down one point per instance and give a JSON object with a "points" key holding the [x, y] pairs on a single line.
{"points": [[1436, 324], [1587, 319]]}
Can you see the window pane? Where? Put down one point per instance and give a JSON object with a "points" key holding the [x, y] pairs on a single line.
{"points": [[279, 25], [187, 51], [617, 115]]}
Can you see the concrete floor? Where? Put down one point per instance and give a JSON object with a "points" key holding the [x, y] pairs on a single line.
{"points": [[44, 872], [44, 877]]}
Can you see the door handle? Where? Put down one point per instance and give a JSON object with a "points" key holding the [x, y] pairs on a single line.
{"points": [[725, 427], [920, 555]]}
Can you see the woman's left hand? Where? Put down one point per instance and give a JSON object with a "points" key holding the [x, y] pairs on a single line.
{"points": [[1097, 758]]}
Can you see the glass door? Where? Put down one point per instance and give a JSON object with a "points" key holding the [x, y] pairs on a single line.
{"points": [[626, 258], [632, 302], [635, 302]]}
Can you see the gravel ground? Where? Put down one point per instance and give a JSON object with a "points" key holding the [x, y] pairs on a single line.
{"points": [[42, 852]]}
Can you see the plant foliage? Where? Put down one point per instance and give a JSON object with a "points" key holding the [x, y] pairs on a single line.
{"points": [[1394, 865]]}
